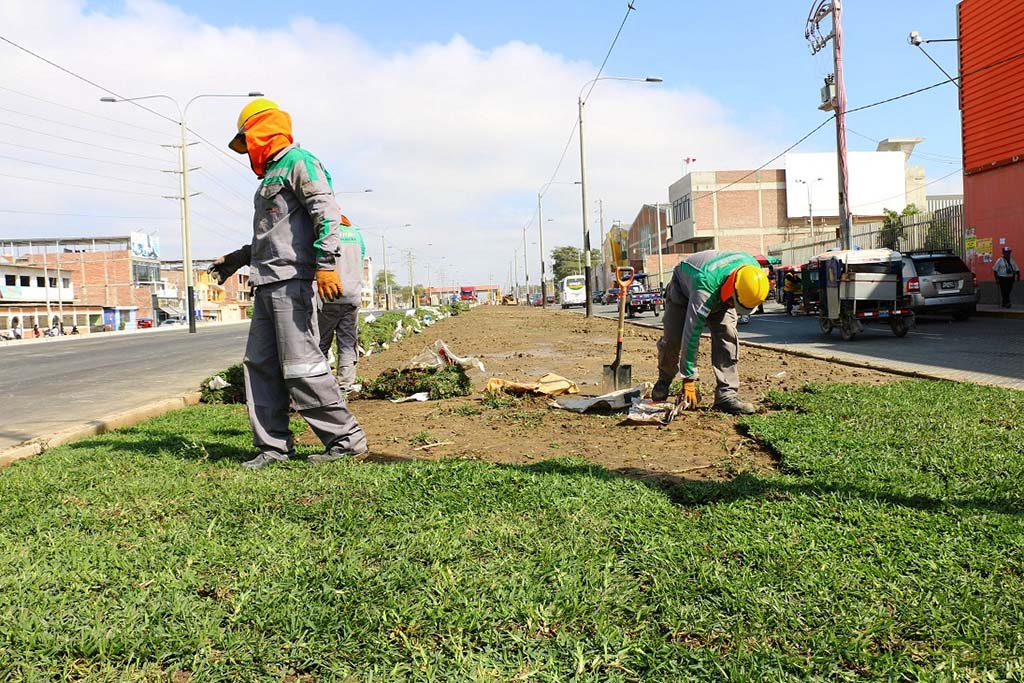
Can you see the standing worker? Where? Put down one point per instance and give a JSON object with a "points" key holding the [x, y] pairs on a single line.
{"points": [[790, 287], [340, 318], [295, 241], [1007, 272], [709, 287]]}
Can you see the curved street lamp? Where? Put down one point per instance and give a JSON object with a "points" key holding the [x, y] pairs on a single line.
{"points": [[186, 230]]}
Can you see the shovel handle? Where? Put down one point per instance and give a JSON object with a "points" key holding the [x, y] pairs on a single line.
{"points": [[624, 277]]}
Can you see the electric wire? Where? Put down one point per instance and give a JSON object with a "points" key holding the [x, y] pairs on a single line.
{"points": [[224, 206], [89, 173], [897, 196], [938, 158], [80, 142], [35, 117], [225, 187], [83, 111], [82, 187], [90, 215], [84, 158]]}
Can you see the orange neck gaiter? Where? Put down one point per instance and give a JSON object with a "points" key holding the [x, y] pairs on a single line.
{"points": [[266, 134]]}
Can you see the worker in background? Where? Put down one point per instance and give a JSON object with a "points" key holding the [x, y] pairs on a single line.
{"points": [[711, 287], [1007, 272], [295, 243], [790, 287], [340, 318]]}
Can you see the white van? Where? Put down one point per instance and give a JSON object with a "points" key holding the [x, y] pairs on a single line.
{"points": [[572, 291]]}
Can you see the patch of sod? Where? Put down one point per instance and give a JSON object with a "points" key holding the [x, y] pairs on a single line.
{"points": [[890, 548]]}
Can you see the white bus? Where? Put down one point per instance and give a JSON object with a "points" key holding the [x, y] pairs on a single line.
{"points": [[572, 291]]}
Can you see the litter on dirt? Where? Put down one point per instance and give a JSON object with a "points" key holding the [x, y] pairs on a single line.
{"points": [[615, 400], [646, 411], [548, 385]]}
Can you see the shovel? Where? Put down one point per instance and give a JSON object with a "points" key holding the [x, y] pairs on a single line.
{"points": [[618, 376]]}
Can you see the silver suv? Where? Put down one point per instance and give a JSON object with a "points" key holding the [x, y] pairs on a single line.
{"points": [[940, 282]]}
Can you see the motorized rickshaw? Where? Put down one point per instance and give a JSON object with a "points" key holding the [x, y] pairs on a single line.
{"points": [[861, 286]]}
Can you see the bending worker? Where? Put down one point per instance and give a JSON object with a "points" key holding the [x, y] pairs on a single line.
{"points": [[340, 318], [295, 242], [710, 287]]}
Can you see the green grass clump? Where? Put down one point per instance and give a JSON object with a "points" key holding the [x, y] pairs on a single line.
{"points": [[500, 400], [234, 393], [449, 381], [891, 547]]}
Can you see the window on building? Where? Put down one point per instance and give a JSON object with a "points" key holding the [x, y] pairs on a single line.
{"points": [[143, 272], [677, 210], [40, 281], [65, 282], [26, 281], [53, 282], [10, 280], [687, 208]]}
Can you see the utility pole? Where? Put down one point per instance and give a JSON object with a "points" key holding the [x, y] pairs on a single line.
{"points": [[543, 274], [820, 9], [588, 288], [412, 284], [515, 272], [387, 277], [526, 267], [661, 263], [604, 269]]}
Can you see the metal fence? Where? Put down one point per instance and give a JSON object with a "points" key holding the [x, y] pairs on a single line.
{"points": [[942, 229]]}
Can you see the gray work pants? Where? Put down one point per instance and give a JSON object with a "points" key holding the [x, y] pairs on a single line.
{"points": [[341, 321], [725, 347], [284, 366]]}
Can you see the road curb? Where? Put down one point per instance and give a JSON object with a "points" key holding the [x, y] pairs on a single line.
{"points": [[863, 365], [126, 418]]}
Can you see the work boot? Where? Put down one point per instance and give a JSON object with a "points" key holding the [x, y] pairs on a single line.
{"points": [[335, 454], [659, 393], [734, 406], [264, 459]]}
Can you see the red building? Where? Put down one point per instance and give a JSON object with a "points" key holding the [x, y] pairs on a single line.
{"points": [[992, 113]]}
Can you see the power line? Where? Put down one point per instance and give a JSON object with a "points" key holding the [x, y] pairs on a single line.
{"points": [[72, 170], [224, 206], [897, 196], [82, 187], [924, 155], [629, 9], [84, 79], [79, 142], [83, 111], [767, 163], [71, 125], [90, 215], [84, 158], [225, 186]]}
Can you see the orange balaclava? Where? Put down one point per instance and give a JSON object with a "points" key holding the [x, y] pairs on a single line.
{"points": [[266, 134]]}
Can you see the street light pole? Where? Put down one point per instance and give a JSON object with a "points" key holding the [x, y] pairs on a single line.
{"points": [[810, 204], [583, 183], [540, 221], [526, 267], [186, 228], [661, 263]]}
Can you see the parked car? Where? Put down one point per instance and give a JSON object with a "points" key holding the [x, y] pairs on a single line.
{"points": [[612, 295], [144, 323], [940, 282], [598, 296], [173, 321], [536, 300]]}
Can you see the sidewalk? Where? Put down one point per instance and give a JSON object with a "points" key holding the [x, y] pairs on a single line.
{"points": [[994, 311], [120, 334]]}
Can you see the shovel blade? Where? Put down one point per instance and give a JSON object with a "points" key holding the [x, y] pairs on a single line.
{"points": [[617, 377]]}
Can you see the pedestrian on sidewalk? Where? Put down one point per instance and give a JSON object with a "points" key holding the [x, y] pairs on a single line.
{"points": [[340, 318], [1007, 272], [35, 331], [711, 287], [295, 243], [16, 329]]}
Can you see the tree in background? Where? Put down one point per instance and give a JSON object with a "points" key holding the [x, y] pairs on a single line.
{"points": [[568, 261], [894, 227], [383, 279]]}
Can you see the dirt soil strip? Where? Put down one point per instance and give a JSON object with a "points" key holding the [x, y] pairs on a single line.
{"points": [[523, 344]]}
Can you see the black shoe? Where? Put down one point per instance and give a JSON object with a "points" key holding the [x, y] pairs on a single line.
{"points": [[659, 393], [264, 459], [335, 454], [734, 406]]}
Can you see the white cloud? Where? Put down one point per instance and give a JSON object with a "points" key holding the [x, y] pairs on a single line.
{"points": [[451, 138]]}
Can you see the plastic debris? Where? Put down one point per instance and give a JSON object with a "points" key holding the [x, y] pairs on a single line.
{"points": [[438, 355], [420, 396], [615, 400], [646, 411], [548, 385], [218, 382]]}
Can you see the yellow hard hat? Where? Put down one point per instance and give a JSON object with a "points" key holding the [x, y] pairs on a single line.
{"points": [[749, 285], [257, 106]]}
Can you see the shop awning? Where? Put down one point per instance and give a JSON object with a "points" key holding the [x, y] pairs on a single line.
{"points": [[172, 312]]}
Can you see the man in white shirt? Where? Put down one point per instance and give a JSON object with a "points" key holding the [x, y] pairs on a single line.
{"points": [[1007, 272]]}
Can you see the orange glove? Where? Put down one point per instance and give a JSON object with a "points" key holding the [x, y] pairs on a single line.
{"points": [[328, 285], [689, 397], [345, 221]]}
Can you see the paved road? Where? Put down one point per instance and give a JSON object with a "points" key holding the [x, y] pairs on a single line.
{"points": [[48, 387], [982, 350]]}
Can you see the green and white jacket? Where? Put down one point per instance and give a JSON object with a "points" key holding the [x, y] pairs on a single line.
{"points": [[699, 280], [296, 220]]}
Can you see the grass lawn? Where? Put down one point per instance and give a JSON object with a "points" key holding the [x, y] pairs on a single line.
{"points": [[890, 546]]}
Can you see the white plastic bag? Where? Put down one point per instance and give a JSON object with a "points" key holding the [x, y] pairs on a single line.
{"points": [[439, 355]]}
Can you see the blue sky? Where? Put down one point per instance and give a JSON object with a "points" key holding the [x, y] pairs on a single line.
{"points": [[455, 113], [753, 58]]}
